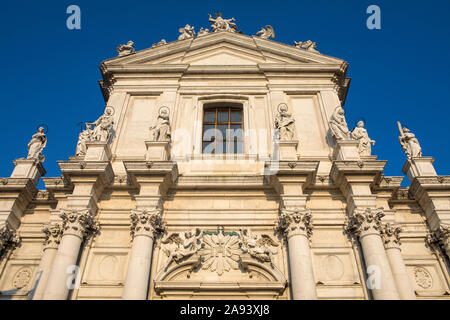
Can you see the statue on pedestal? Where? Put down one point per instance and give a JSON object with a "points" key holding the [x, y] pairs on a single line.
{"points": [[85, 136], [338, 125], [126, 49], [409, 142], [103, 126], [221, 24], [36, 145], [285, 123], [266, 33], [186, 32], [365, 143], [161, 131]]}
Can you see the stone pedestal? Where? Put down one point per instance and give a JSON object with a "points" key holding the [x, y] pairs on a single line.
{"points": [[346, 150], [97, 151], [31, 169], [287, 150], [419, 166], [157, 150]]}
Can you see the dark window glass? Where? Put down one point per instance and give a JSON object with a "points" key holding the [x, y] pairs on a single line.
{"points": [[222, 130]]}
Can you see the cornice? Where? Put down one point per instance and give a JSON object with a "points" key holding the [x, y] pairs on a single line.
{"points": [[100, 169]]}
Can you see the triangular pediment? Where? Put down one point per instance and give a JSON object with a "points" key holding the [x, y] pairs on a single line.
{"points": [[223, 48]]}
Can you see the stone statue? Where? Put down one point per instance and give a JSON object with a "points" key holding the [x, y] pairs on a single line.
{"points": [[258, 246], [85, 136], [338, 125], [307, 45], [181, 245], [409, 142], [221, 24], [161, 43], [103, 126], [202, 32], [266, 33], [186, 32], [365, 143], [36, 145], [161, 131], [126, 49], [285, 123]]}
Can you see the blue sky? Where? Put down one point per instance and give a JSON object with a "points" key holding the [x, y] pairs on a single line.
{"points": [[401, 72]]}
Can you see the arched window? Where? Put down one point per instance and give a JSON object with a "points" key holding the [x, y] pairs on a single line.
{"points": [[222, 128]]}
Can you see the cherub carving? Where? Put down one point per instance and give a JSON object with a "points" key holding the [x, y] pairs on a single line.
{"points": [[202, 32], [266, 33], [258, 246], [178, 246], [186, 32]]}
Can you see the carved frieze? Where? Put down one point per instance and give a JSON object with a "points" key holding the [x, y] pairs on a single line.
{"points": [[179, 245], [259, 247]]}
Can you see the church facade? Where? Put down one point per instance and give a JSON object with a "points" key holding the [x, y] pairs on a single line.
{"points": [[223, 168]]}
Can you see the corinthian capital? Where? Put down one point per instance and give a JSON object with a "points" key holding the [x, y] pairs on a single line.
{"points": [[8, 238], [295, 222], [365, 221], [441, 237], [53, 234], [79, 223], [146, 222], [391, 235]]}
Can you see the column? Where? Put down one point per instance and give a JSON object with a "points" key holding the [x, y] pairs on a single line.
{"points": [[77, 225], [145, 225], [52, 239], [391, 237], [296, 225], [366, 225]]}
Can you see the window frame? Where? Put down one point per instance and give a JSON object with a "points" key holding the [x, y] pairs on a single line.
{"points": [[221, 107]]}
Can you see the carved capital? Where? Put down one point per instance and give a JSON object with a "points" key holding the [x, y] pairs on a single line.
{"points": [[8, 238], [53, 233], [441, 237], [365, 221], [146, 223], [295, 222], [79, 223], [391, 235]]}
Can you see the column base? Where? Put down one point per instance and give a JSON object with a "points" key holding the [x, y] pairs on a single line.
{"points": [[97, 151], [157, 150], [346, 150], [419, 166], [31, 169], [288, 150]]}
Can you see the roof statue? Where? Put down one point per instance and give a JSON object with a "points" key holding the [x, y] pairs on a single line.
{"points": [[221, 24], [161, 43], [266, 33], [409, 142], [202, 32], [186, 32], [307, 45], [126, 49]]}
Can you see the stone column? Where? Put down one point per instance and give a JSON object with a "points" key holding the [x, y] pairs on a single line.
{"points": [[366, 225], [391, 237], [145, 225], [296, 225], [52, 239], [77, 225]]}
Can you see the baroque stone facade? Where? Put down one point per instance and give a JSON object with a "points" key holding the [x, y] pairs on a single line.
{"points": [[222, 167]]}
